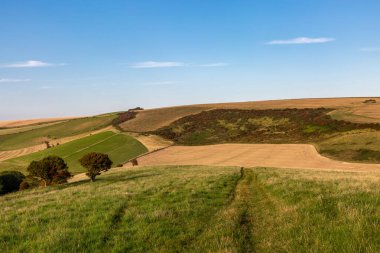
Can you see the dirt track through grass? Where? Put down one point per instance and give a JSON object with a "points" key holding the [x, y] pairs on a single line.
{"points": [[252, 155], [198, 209]]}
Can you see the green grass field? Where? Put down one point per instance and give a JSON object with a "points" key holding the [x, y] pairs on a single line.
{"points": [[53, 131], [198, 209], [120, 148]]}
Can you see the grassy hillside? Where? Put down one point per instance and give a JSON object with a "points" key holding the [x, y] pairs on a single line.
{"points": [[359, 145], [198, 209], [60, 130], [119, 147], [149, 120], [15, 130]]}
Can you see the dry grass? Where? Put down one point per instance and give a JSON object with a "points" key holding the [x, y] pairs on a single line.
{"points": [[251, 155], [149, 120], [18, 123], [152, 142]]}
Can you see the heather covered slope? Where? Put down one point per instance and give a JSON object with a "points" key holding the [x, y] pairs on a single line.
{"points": [[351, 109]]}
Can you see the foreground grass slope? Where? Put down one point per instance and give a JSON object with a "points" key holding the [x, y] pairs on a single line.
{"points": [[67, 128], [198, 209], [119, 147]]}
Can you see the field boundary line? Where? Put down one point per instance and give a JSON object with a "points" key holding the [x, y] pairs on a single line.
{"points": [[94, 144], [148, 153]]}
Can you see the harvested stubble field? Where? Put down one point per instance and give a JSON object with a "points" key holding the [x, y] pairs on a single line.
{"points": [[19, 123], [198, 209], [252, 155]]}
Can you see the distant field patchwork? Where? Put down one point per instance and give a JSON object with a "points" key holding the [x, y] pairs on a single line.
{"points": [[36, 136], [119, 147]]}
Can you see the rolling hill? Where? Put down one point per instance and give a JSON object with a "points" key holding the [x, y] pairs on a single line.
{"points": [[49, 132], [351, 109], [120, 147]]}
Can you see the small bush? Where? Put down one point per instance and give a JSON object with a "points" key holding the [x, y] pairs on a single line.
{"points": [[134, 162], [24, 185], [369, 101], [10, 181], [119, 165]]}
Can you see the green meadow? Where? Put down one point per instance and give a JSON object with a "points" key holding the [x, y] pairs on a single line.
{"points": [[197, 209], [120, 147]]}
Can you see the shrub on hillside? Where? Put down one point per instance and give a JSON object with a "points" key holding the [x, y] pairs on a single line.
{"points": [[10, 181], [24, 185], [134, 162], [95, 163], [50, 170]]}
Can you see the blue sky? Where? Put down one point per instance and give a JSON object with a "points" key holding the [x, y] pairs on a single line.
{"points": [[86, 57]]}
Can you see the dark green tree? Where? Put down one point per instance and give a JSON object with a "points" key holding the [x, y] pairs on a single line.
{"points": [[51, 170], [95, 163], [10, 181]]}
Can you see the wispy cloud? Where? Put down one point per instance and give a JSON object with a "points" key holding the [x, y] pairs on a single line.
{"points": [[31, 64], [301, 40], [13, 80], [370, 49], [217, 64], [156, 64]]}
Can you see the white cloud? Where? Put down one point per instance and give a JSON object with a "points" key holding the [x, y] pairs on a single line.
{"points": [[31, 64], [217, 64], [156, 64], [301, 40], [370, 49], [13, 80]]}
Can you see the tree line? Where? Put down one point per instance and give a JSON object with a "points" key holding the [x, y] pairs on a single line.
{"points": [[52, 170]]}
